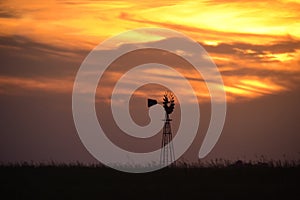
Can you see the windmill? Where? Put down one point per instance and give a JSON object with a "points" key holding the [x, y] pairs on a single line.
{"points": [[167, 155]]}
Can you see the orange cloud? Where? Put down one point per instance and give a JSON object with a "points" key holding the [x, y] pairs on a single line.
{"points": [[16, 85], [256, 46]]}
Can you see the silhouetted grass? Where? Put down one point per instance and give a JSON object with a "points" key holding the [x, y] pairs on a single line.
{"points": [[217, 179]]}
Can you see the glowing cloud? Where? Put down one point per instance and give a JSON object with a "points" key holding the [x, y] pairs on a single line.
{"points": [[255, 46]]}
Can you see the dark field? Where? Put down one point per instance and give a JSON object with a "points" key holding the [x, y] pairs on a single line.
{"points": [[238, 181]]}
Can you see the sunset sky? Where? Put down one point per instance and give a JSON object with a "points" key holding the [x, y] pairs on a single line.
{"points": [[255, 44]]}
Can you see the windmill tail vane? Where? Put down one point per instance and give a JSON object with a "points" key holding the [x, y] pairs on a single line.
{"points": [[151, 102]]}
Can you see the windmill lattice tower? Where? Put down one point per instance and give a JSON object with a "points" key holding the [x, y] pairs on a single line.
{"points": [[167, 155]]}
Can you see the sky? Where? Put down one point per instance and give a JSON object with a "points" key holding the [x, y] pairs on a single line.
{"points": [[255, 45]]}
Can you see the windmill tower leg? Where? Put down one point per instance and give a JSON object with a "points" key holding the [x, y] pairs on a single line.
{"points": [[167, 155]]}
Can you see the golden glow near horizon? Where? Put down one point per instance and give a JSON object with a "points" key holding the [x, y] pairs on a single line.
{"points": [[254, 43]]}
